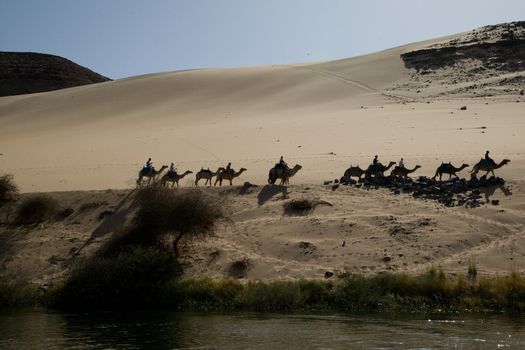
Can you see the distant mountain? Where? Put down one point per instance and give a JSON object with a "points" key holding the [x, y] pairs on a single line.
{"points": [[30, 72]]}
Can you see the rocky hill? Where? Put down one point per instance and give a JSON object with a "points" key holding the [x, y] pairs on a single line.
{"points": [[484, 62], [29, 72]]}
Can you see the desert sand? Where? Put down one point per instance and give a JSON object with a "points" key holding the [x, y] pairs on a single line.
{"points": [[325, 116]]}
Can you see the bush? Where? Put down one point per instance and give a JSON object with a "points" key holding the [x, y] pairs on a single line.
{"points": [[162, 212], [36, 209], [135, 277], [8, 189], [298, 206], [16, 295]]}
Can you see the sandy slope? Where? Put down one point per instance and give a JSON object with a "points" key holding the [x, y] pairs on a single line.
{"points": [[380, 231], [324, 116]]}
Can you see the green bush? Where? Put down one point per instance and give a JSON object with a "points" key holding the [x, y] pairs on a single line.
{"points": [[135, 277], [36, 209], [16, 295], [8, 189], [162, 212]]}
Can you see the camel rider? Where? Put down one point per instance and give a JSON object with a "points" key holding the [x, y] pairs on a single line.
{"points": [[401, 163], [282, 163], [149, 165], [172, 170], [375, 161], [487, 157], [229, 168]]}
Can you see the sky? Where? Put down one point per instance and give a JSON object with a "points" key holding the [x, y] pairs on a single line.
{"points": [[122, 38]]}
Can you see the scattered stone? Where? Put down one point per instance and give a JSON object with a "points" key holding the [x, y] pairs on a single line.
{"points": [[246, 187], [328, 274], [464, 108], [495, 202], [65, 213], [335, 187], [238, 269], [450, 193], [327, 182], [336, 181], [344, 243], [387, 259]]}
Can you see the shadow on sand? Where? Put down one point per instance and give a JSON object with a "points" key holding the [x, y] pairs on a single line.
{"points": [[490, 190], [269, 191], [112, 222]]}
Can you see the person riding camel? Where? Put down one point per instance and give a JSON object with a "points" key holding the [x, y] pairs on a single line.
{"points": [[401, 164], [487, 157], [282, 164], [375, 160], [228, 168], [172, 170], [149, 165]]}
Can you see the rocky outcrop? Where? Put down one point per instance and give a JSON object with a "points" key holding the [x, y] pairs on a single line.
{"points": [[29, 72]]}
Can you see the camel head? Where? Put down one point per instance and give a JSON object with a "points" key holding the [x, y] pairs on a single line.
{"points": [[188, 172], [297, 167], [390, 165], [241, 170], [464, 166], [163, 167], [417, 167], [504, 162]]}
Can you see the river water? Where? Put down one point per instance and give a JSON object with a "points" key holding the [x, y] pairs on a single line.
{"points": [[42, 329]]}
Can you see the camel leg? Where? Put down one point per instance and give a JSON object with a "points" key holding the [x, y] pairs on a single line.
{"points": [[177, 184], [492, 171], [231, 184]]}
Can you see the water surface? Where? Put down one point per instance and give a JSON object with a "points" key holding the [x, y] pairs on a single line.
{"points": [[42, 329]]}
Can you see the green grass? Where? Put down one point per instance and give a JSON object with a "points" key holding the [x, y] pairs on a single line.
{"points": [[18, 295], [147, 277]]}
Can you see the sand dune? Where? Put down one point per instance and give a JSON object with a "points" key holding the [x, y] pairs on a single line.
{"points": [[324, 116]]}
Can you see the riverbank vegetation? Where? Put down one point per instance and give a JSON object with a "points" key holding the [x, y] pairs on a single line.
{"points": [[139, 268], [147, 278]]}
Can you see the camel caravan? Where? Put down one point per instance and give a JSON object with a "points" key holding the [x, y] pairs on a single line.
{"points": [[374, 175], [279, 171], [451, 192], [377, 169]]}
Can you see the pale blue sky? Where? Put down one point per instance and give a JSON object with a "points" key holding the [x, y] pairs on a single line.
{"points": [[120, 38]]}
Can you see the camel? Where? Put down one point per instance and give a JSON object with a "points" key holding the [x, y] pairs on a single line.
{"points": [[488, 166], [206, 174], [447, 168], [227, 175], [173, 177], [283, 174], [151, 175], [354, 171], [403, 172], [375, 169]]}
